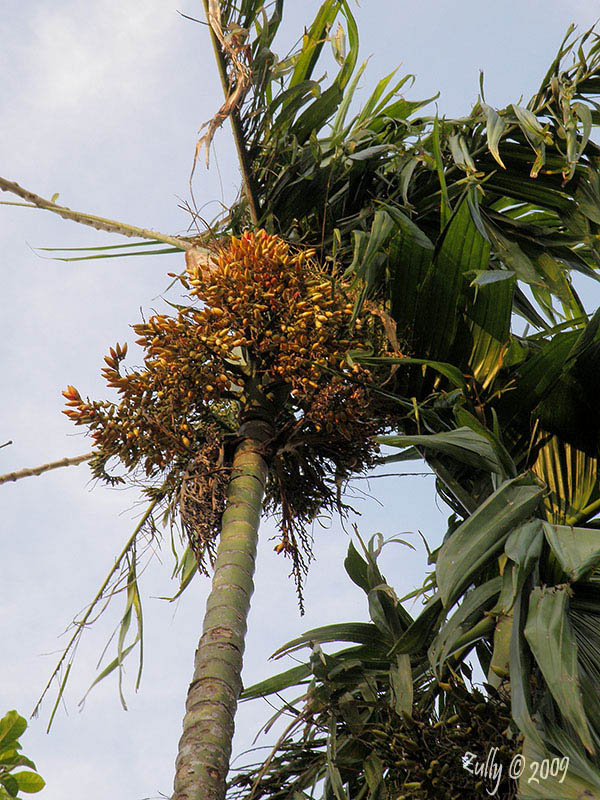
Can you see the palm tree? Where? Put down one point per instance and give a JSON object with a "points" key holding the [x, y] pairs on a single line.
{"points": [[235, 405], [366, 722], [445, 229], [446, 221]]}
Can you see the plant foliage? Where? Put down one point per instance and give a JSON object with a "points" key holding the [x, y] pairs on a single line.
{"points": [[13, 779], [367, 724], [466, 234]]}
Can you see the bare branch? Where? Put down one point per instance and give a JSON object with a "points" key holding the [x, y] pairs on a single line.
{"points": [[390, 475], [28, 473], [100, 223]]}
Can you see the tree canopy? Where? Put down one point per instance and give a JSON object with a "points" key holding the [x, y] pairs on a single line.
{"points": [[459, 239]]}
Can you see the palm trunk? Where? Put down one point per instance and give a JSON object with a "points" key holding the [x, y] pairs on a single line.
{"points": [[205, 746]]}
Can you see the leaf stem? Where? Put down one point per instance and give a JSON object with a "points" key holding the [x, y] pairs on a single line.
{"points": [[28, 473], [100, 223]]}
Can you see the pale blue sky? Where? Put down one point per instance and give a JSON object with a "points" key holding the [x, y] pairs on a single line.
{"points": [[101, 102]]}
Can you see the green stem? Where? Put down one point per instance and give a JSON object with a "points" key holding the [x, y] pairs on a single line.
{"points": [[205, 746], [32, 471], [100, 223]]}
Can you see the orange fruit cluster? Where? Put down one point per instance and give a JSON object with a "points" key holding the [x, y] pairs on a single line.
{"points": [[275, 304], [266, 326]]}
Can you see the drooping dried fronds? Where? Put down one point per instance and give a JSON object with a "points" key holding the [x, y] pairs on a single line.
{"points": [[268, 340], [236, 82], [202, 496]]}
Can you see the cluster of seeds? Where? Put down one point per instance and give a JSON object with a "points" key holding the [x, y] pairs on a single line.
{"points": [[425, 759], [275, 304], [385, 755], [266, 334]]}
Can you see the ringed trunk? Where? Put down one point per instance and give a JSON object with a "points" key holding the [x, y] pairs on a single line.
{"points": [[205, 746]]}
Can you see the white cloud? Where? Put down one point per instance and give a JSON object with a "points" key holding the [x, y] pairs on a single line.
{"points": [[79, 53]]}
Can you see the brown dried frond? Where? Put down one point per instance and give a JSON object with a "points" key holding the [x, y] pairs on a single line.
{"points": [[240, 78], [202, 498]]}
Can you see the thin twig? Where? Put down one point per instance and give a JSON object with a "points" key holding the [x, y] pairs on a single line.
{"points": [[82, 623], [100, 223], [293, 724], [390, 475], [28, 473], [5, 444]]}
